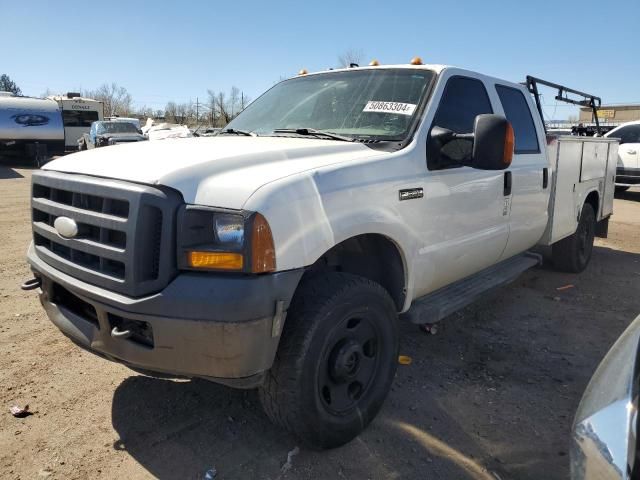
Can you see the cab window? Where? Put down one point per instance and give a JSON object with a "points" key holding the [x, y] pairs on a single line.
{"points": [[518, 113], [463, 100]]}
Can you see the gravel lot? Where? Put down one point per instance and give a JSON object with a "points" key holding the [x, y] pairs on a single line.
{"points": [[490, 396]]}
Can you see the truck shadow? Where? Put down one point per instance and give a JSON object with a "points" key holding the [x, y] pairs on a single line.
{"points": [[631, 194], [180, 430], [8, 173], [494, 391]]}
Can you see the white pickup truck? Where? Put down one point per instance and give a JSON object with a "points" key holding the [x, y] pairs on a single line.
{"points": [[280, 253]]}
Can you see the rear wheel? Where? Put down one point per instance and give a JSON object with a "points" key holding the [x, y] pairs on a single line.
{"points": [[572, 254], [336, 360]]}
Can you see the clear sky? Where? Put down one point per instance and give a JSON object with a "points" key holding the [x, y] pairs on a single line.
{"points": [[162, 51]]}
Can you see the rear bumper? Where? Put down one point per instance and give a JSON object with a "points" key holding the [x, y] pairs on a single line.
{"points": [[223, 328], [627, 176]]}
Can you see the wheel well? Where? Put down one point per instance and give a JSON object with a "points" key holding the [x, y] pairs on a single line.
{"points": [[593, 199], [372, 256]]}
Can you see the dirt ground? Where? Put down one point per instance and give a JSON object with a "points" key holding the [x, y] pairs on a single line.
{"points": [[490, 396]]}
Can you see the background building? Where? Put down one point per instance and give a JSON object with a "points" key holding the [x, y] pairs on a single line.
{"points": [[611, 114]]}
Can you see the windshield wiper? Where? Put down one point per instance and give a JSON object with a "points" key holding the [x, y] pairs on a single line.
{"points": [[233, 131], [314, 133]]}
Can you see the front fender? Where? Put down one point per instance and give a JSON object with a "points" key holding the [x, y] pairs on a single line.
{"points": [[307, 220]]}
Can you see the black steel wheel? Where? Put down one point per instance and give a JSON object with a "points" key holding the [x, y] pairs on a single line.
{"points": [[572, 254], [336, 359]]}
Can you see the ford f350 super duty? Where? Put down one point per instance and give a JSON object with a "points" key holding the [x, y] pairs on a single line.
{"points": [[281, 253]]}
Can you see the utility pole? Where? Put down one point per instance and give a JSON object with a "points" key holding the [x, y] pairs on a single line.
{"points": [[197, 116]]}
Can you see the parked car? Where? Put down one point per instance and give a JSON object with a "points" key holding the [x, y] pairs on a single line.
{"points": [[279, 253], [628, 168], [105, 133], [605, 431]]}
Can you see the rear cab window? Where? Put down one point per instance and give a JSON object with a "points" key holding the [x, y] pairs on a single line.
{"points": [[517, 111]]}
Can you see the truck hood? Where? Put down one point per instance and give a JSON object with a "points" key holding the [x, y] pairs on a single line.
{"points": [[216, 171]]}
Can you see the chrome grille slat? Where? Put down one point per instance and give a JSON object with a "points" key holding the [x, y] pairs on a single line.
{"points": [[85, 216], [126, 231], [84, 245], [82, 273]]}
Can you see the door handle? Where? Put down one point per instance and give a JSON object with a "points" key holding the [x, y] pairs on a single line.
{"points": [[545, 178], [507, 184]]}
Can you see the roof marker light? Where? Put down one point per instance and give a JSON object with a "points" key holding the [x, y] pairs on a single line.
{"points": [[303, 72], [416, 61], [374, 63]]}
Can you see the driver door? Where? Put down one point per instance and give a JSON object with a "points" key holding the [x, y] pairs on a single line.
{"points": [[465, 225]]}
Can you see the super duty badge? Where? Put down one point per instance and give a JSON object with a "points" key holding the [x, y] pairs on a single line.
{"points": [[410, 193]]}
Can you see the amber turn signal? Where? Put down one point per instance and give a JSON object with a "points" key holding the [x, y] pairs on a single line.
{"points": [[263, 252], [215, 260], [509, 143]]}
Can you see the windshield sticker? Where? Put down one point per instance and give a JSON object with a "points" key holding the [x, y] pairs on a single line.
{"points": [[390, 107]]}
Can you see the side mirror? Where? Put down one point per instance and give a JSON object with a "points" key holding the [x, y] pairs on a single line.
{"points": [[489, 147], [493, 142]]}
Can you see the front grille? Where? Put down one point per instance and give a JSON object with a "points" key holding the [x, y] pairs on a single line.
{"points": [[125, 240]]}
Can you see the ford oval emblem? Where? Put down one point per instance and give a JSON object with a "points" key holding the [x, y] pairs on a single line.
{"points": [[66, 227]]}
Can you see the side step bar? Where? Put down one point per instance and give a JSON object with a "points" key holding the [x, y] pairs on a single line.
{"points": [[437, 305]]}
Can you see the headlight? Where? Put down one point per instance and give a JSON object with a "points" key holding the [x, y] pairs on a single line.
{"points": [[214, 239], [229, 229]]}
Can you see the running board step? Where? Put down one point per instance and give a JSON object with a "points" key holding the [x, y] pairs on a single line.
{"points": [[437, 305]]}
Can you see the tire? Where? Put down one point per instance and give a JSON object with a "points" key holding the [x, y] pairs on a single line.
{"points": [[336, 360], [572, 254], [622, 188]]}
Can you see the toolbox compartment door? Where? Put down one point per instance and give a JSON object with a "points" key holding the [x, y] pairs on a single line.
{"points": [[579, 165]]}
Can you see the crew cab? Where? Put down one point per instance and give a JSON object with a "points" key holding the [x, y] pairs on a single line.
{"points": [[628, 167], [113, 132], [283, 252]]}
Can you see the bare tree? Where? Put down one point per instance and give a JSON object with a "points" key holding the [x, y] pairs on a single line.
{"points": [[144, 112], [350, 56], [223, 108], [170, 112], [117, 100]]}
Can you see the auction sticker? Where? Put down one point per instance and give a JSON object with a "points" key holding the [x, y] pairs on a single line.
{"points": [[389, 107]]}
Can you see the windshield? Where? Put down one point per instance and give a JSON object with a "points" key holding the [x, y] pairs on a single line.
{"points": [[116, 127], [371, 104]]}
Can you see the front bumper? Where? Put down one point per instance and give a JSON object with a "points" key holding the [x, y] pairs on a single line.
{"points": [[225, 328], [627, 177]]}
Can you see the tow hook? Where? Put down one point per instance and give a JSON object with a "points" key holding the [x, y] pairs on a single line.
{"points": [[116, 333], [31, 284]]}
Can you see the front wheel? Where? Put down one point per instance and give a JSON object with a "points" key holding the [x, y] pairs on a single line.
{"points": [[572, 254], [336, 360]]}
